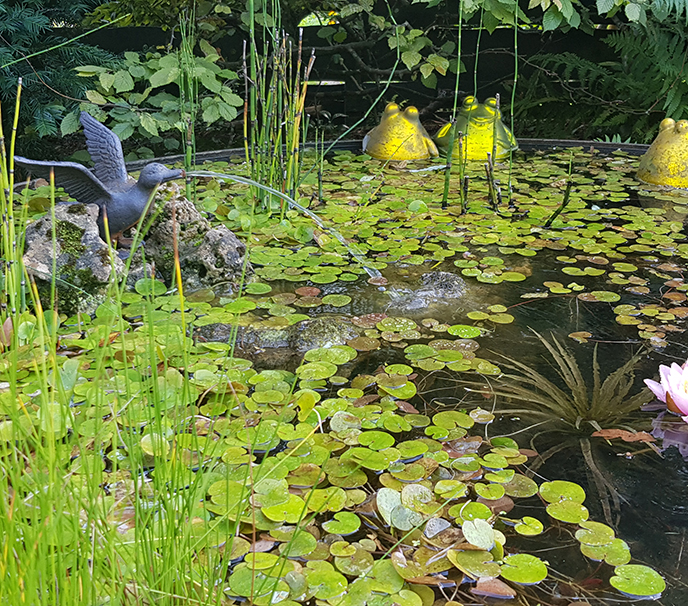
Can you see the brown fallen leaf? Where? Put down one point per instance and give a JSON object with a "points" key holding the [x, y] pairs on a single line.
{"points": [[626, 436], [364, 400], [262, 546], [503, 505], [406, 407], [493, 588]]}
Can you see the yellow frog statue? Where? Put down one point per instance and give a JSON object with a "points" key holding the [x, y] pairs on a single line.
{"points": [[399, 136], [666, 162], [481, 124]]}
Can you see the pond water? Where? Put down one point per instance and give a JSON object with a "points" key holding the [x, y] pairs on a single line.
{"points": [[611, 265], [451, 372]]}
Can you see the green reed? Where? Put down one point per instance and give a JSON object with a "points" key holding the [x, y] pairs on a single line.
{"points": [[276, 83], [453, 134]]}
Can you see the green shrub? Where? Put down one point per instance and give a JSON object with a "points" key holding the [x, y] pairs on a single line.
{"points": [[143, 103]]}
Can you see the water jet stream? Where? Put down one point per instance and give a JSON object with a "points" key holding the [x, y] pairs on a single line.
{"points": [[371, 271]]}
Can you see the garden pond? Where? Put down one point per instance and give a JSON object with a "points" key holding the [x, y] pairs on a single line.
{"points": [[449, 408]]}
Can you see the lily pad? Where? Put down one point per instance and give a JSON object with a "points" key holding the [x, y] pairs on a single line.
{"points": [[479, 533], [529, 526], [474, 563], [336, 300], [376, 440], [568, 511], [464, 331], [524, 569], [638, 581], [560, 490], [344, 523]]}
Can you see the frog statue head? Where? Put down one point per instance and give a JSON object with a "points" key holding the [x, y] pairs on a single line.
{"points": [[481, 125], [399, 136], [666, 162]]}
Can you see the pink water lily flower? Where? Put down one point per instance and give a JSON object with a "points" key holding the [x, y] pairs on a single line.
{"points": [[673, 388]]}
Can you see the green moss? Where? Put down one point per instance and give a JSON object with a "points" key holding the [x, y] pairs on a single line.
{"points": [[69, 236], [77, 209]]}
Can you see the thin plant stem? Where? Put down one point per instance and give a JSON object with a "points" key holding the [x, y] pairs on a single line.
{"points": [[452, 129], [567, 194]]}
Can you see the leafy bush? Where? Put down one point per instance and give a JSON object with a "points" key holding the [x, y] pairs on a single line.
{"points": [[51, 87], [143, 100], [568, 96]]}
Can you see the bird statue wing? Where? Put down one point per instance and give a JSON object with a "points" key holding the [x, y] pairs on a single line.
{"points": [[79, 182], [105, 149]]}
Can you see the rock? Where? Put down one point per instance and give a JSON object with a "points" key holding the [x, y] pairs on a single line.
{"points": [[437, 288], [324, 331], [282, 346], [83, 264], [210, 257]]}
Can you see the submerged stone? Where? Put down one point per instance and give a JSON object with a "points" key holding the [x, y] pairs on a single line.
{"points": [[437, 288], [279, 345]]}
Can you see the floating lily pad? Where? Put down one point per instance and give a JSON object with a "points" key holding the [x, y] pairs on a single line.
{"points": [[524, 569], [529, 526], [419, 352], [364, 344], [479, 533], [560, 490], [464, 331], [155, 445], [316, 370], [151, 287], [470, 511], [257, 288], [615, 553], [344, 523], [490, 492], [452, 418], [451, 489], [336, 300], [392, 324], [474, 563], [595, 533], [568, 511], [638, 581], [376, 440], [521, 486]]}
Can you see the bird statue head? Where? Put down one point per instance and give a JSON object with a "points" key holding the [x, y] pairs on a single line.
{"points": [[154, 174]]}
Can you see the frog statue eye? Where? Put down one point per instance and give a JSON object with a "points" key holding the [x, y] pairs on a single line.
{"points": [[392, 108], [666, 123], [681, 127], [470, 103], [411, 112], [491, 105]]}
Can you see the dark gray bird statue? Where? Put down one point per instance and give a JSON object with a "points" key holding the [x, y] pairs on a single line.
{"points": [[119, 197]]}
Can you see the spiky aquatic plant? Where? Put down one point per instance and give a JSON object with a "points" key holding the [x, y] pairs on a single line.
{"points": [[582, 409], [605, 403]]}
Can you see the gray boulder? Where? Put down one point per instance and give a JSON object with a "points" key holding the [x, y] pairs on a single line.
{"points": [[210, 256], [83, 264], [282, 347], [437, 289]]}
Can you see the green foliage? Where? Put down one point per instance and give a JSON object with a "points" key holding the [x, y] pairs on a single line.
{"points": [[212, 19], [210, 16], [571, 97], [142, 97], [51, 87]]}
